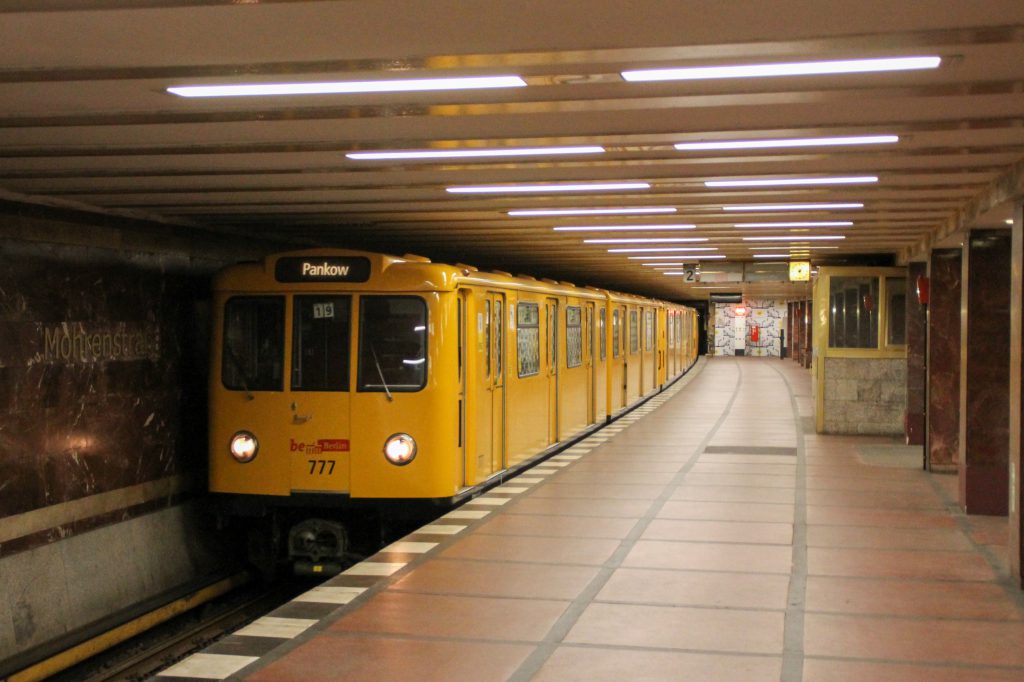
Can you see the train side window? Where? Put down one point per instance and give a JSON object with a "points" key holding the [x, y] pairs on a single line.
{"points": [[320, 343], [253, 353], [602, 342], [573, 336], [615, 333], [528, 338], [648, 330], [634, 333], [392, 343]]}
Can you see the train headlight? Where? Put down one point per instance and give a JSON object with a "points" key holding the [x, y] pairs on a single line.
{"points": [[244, 447], [400, 449]]}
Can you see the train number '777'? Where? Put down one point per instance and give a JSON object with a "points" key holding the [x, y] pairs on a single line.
{"points": [[321, 466]]}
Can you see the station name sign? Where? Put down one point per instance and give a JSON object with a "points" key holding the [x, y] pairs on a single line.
{"points": [[329, 269]]}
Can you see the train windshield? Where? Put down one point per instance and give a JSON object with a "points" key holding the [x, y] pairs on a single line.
{"points": [[392, 343], [253, 353]]}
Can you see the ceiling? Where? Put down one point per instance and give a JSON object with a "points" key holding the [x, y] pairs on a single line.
{"points": [[86, 121]]}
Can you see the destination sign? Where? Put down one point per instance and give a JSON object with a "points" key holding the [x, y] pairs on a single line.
{"points": [[323, 269]]}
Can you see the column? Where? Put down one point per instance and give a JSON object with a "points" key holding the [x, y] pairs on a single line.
{"points": [[1016, 547], [984, 373], [942, 416], [917, 322]]}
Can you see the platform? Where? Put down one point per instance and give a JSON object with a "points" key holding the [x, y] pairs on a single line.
{"points": [[708, 535]]}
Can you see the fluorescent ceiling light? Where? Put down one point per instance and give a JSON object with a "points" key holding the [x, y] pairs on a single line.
{"points": [[820, 223], [1009, 221], [793, 239], [790, 248], [414, 154], [646, 240], [621, 228], [573, 187], [670, 257], [791, 142], [791, 207], [591, 211], [665, 250], [769, 255], [348, 87], [784, 69], [678, 264], [780, 182]]}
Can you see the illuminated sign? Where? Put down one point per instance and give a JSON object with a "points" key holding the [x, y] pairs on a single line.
{"points": [[323, 269], [799, 271]]}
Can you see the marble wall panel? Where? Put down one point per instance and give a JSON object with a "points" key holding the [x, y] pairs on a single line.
{"points": [[985, 364], [101, 369], [943, 366], [917, 323]]}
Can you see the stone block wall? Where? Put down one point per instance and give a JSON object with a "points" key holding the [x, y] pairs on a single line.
{"points": [[865, 396]]}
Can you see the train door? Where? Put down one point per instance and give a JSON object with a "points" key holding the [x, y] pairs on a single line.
{"points": [[601, 363], [484, 371], [551, 308], [651, 347], [318, 393], [497, 302], [670, 342], [588, 359], [626, 364]]}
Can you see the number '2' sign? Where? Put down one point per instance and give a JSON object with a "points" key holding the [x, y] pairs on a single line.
{"points": [[691, 273]]}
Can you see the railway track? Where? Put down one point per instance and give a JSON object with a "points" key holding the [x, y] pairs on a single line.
{"points": [[140, 648]]}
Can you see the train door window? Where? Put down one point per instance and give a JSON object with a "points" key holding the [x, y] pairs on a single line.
{"points": [[392, 343], [573, 336], [485, 322], [552, 319], [602, 342], [614, 334], [253, 353], [528, 338], [671, 329], [320, 343], [634, 333], [648, 330], [499, 341]]}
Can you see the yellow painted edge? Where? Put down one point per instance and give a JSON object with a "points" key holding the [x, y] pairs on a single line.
{"points": [[91, 647]]}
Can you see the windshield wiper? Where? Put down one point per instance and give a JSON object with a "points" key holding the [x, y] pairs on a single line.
{"points": [[380, 373], [241, 370]]}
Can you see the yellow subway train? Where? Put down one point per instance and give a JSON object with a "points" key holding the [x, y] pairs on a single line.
{"points": [[346, 384]]}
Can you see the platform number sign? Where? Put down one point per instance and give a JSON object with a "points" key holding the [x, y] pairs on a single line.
{"points": [[691, 273]]}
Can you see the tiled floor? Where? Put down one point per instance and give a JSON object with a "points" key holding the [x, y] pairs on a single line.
{"points": [[706, 536]]}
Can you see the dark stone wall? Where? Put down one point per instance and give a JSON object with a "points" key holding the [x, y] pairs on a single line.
{"points": [[103, 353], [101, 376]]}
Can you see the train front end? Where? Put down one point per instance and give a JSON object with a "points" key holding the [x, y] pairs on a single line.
{"points": [[329, 406]]}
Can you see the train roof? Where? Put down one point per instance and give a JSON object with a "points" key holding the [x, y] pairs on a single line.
{"points": [[313, 269]]}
